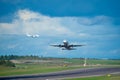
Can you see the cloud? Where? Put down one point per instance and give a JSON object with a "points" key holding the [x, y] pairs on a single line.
{"points": [[12, 46], [115, 51], [99, 35], [97, 20], [26, 15], [27, 21]]}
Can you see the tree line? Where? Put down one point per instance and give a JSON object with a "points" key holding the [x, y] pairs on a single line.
{"points": [[14, 57], [7, 63], [5, 60]]}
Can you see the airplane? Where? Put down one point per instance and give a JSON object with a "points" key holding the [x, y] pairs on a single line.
{"points": [[33, 36], [67, 46]]}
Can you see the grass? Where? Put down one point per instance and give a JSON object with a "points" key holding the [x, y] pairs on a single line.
{"points": [[114, 77], [53, 65], [30, 69], [92, 62]]}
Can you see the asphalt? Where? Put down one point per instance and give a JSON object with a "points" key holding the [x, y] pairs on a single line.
{"points": [[65, 74]]}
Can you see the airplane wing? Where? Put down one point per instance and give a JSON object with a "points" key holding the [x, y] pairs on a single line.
{"points": [[58, 45], [76, 45]]}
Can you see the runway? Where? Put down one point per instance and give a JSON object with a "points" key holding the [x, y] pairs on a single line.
{"points": [[65, 74]]}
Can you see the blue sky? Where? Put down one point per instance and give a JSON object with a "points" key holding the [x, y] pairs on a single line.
{"points": [[95, 23]]}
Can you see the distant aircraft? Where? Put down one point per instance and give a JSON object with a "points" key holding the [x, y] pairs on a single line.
{"points": [[33, 36], [67, 46]]}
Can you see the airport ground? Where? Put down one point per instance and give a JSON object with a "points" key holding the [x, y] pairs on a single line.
{"points": [[25, 67], [105, 77]]}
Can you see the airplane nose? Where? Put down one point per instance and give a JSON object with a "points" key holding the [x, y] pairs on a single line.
{"points": [[64, 41]]}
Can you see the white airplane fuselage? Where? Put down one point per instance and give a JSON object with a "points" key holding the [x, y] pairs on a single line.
{"points": [[66, 46]]}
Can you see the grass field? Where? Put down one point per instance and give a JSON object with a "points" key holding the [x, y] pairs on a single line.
{"points": [[44, 66], [113, 77]]}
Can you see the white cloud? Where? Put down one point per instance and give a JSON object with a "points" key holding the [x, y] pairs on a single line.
{"points": [[26, 15], [115, 51], [83, 35], [12, 46], [26, 21], [32, 22], [94, 20]]}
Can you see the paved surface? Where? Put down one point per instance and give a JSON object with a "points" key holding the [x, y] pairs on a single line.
{"points": [[65, 74]]}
